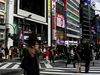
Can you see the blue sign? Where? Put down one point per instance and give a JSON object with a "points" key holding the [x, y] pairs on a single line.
{"points": [[87, 1]]}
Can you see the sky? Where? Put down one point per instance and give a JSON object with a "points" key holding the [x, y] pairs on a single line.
{"points": [[97, 6]]}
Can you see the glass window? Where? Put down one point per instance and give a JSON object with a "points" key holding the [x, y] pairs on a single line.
{"points": [[73, 10], [72, 15], [72, 21], [2, 6], [1, 35], [73, 5], [73, 27], [1, 19], [73, 32]]}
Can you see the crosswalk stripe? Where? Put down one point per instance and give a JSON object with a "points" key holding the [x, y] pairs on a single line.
{"points": [[94, 67], [1, 63], [70, 71], [57, 70], [40, 66], [93, 71], [49, 69], [56, 73], [48, 65], [15, 66], [63, 68], [59, 73], [5, 66]]}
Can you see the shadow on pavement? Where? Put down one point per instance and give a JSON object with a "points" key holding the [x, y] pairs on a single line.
{"points": [[10, 73]]}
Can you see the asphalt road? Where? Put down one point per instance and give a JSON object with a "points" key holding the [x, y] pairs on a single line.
{"points": [[57, 68]]}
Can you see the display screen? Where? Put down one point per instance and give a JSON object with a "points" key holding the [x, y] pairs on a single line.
{"points": [[33, 6]]}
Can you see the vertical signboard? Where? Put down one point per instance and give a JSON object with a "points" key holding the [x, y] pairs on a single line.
{"points": [[54, 19], [60, 21]]}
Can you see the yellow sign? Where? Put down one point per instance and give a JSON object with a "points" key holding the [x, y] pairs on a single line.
{"points": [[49, 7]]}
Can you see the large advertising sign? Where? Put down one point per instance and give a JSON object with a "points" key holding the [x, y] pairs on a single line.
{"points": [[60, 21], [54, 19], [31, 7]]}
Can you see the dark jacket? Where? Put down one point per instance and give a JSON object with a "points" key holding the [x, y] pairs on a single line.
{"points": [[87, 52], [30, 64]]}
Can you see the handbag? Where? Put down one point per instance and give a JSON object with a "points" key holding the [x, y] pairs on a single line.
{"points": [[27, 63], [24, 63]]}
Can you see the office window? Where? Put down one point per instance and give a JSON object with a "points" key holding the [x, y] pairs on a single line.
{"points": [[1, 19], [2, 6]]}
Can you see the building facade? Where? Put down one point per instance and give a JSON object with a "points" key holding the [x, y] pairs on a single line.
{"points": [[2, 20], [67, 21], [87, 14], [73, 21], [25, 17]]}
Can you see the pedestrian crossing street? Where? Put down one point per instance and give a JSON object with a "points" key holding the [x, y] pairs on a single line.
{"points": [[51, 70]]}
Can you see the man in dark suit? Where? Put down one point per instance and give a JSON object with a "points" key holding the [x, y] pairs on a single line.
{"points": [[87, 52]]}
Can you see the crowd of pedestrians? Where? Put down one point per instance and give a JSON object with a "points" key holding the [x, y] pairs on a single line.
{"points": [[8, 53], [81, 53], [32, 50], [49, 55]]}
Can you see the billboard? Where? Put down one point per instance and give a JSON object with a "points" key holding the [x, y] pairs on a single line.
{"points": [[60, 21], [35, 8]]}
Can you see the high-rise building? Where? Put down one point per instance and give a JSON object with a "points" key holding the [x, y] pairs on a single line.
{"points": [[73, 21], [87, 14], [2, 19], [68, 23]]}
